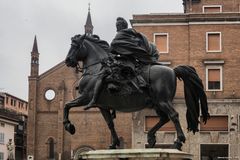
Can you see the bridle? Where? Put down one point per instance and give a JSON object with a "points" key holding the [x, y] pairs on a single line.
{"points": [[80, 69], [78, 44]]}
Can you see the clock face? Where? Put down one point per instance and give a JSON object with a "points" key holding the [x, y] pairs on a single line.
{"points": [[50, 94]]}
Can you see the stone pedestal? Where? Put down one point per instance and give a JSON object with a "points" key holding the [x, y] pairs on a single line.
{"points": [[136, 154]]}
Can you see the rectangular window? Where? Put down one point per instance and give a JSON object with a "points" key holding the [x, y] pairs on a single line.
{"points": [[214, 151], [1, 156], [213, 42], [1, 138], [214, 78], [150, 121], [161, 41], [212, 9], [215, 123]]}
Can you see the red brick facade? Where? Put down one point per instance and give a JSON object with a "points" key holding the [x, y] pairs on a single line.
{"points": [[188, 44]]}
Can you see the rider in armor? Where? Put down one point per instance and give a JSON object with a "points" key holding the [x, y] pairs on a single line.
{"points": [[132, 46]]}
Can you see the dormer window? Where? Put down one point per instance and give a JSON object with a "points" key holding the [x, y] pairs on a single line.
{"points": [[212, 9]]}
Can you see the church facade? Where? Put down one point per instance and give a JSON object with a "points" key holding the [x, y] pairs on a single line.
{"points": [[48, 92], [205, 36]]}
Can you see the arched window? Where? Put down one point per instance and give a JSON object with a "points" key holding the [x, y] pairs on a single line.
{"points": [[51, 151]]}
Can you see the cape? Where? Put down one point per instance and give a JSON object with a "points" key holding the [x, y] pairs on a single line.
{"points": [[130, 43]]}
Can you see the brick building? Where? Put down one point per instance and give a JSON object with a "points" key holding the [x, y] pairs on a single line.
{"points": [[48, 92], [13, 103], [205, 36]]}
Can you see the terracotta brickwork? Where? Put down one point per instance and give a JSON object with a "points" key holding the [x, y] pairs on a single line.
{"points": [[187, 45], [197, 6], [187, 33], [14, 103]]}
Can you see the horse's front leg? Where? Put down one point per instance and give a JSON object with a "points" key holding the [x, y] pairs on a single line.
{"points": [[81, 100], [109, 119]]}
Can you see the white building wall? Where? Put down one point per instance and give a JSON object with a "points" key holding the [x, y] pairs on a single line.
{"points": [[8, 130]]}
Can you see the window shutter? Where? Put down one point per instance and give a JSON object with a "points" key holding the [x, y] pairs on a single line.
{"points": [[214, 42], [212, 9], [213, 75], [161, 43], [215, 123], [150, 121]]}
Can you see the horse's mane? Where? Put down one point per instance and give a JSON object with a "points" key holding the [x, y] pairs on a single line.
{"points": [[96, 39]]}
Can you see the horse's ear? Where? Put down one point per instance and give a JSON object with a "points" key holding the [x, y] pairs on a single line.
{"points": [[75, 37], [82, 38]]}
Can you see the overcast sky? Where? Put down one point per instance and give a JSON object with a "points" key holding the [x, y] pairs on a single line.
{"points": [[55, 22]]}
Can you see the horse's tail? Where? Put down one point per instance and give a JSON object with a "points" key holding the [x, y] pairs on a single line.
{"points": [[193, 92]]}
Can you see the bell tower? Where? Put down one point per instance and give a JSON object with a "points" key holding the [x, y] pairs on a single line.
{"points": [[34, 59], [32, 99], [88, 26]]}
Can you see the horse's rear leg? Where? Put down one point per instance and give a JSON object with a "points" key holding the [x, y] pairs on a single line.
{"points": [[78, 102], [151, 134], [109, 119], [167, 108]]}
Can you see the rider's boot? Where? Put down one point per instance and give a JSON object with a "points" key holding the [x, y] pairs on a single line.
{"points": [[97, 90]]}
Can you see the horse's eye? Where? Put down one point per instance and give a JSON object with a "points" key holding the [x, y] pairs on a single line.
{"points": [[74, 44]]}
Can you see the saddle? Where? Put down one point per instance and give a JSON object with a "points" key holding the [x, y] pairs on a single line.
{"points": [[124, 76]]}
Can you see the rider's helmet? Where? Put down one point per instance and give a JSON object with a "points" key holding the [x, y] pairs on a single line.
{"points": [[121, 24]]}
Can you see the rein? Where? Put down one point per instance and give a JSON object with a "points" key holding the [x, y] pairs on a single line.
{"points": [[80, 69]]}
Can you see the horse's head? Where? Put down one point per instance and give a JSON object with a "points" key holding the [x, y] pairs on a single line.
{"points": [[73, 55]]}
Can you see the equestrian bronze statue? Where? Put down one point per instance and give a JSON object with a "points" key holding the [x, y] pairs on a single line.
{"points": [[126, 77]]}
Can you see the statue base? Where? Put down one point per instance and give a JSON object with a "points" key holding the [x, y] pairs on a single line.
{"points": [[136, 154]]}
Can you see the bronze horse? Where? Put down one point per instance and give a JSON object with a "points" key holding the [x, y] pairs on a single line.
{"points": [[161, 91]]}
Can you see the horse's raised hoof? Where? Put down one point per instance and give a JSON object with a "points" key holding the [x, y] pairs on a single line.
{"points": [[70, 128], [177, 145], [151, 141]]}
